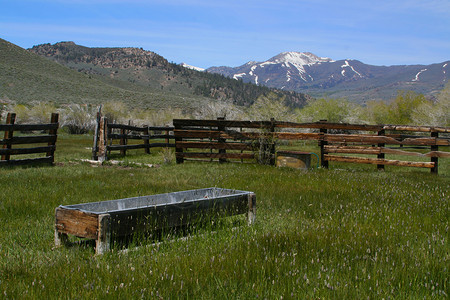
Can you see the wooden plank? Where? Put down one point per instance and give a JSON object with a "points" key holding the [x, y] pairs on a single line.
{"points": [[374, 139], [214, 134], [161, 145], [125, 147], [161, 136], [317, 125], [437, 154], [116, 136], [216, 155], [221, 123], [296, 136], [160, 128], [352, 149], [326, 125], [416, 128], [377, 161], [215, 145], [126, 127], [28, 127], [378, 150], [196, 134], [27, 150], [19, 140], [103, 242], [30, 161], [75, 222]]}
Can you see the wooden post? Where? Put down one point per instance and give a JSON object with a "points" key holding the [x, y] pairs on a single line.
{"points": [[103, 139], [251, 209], [53, 119], [221, 140], [10, 120], [434, 170], [167, 137], [178, 151], [61, 239], [147, 140], [96, 133], [103, 242], [272, 142], [123, 141], [322, 144], [381, 155]]}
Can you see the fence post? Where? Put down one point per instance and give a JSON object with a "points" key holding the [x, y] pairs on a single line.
{"points": [[178, 151], [221, 140], [167, 137], [53, 119], [147, 140], [10, 120], [381, 155], [322, 144], [96, 132], [272, 139], [434, 170], [123, 141], [103, 139]]}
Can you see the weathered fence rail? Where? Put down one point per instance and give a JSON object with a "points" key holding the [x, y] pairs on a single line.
{"points": [[47, 135], [116, 137], [238, 140]]}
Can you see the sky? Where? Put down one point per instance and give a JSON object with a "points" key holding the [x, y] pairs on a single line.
{"points": [[207, 33]]}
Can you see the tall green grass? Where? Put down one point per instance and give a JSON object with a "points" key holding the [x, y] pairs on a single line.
{"points": [[347, 232]]}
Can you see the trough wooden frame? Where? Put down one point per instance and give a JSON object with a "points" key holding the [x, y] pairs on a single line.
{"points": [[104, 228]]}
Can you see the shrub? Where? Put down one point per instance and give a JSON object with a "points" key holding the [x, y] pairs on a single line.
{"points": [[78, 118]]}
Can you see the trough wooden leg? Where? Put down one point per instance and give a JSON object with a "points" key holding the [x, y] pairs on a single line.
{"points": [[251, 209], [61, 239], [103, 242]]}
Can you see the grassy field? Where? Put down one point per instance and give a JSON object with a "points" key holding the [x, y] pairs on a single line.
{"points": [[349, 232]]}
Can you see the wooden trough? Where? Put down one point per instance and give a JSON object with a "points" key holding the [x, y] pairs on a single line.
{"points": [[108, 220]]}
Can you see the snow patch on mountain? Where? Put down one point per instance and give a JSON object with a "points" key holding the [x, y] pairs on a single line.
{"points": [[192, 67], [237, 76], [347, 65], [298, 61], [252, 69], [417, 75]]}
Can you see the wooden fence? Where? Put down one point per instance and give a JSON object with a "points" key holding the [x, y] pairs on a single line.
{"points": [[27, 137], [116, 137], [226, 140]]}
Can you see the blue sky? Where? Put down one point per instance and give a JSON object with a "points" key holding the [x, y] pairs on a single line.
{"points": [[207, 33]]}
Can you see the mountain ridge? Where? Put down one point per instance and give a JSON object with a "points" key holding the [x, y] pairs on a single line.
{"points": [[148, 69], [322, 76]]}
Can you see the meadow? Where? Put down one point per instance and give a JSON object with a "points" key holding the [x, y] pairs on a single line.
{"points": [[349, 232]]}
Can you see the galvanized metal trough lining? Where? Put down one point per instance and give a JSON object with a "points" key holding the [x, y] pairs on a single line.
{"points": [[103, 221], [159, 200]]}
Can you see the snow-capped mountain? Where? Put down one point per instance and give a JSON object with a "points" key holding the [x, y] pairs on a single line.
{"points": [[319, 76], [192, 67]]}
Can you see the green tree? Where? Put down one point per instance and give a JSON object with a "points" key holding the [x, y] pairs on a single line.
{"points": [[400, 110], [269, 106], [332, 110]]}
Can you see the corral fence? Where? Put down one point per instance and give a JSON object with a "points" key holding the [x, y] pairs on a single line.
{"points": [[227, 140], [122, 137], [27, 136]]}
